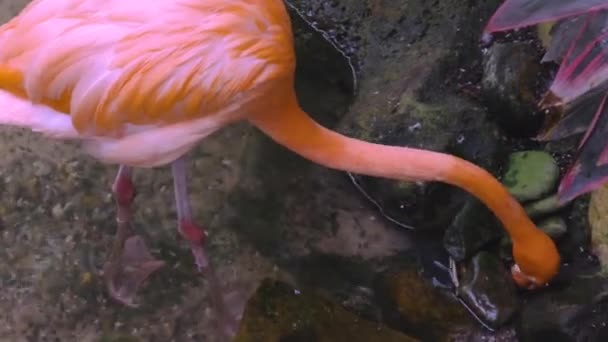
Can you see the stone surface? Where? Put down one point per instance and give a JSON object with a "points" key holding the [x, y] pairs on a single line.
{"points": [[598, 220]]}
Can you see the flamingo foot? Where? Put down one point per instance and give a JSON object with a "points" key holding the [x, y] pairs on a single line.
{"points": [[228, 313], [125, 274], [130, 262]]}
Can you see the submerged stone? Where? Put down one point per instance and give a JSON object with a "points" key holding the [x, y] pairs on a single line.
{"points": [[531, 175], [573, 313], [279, 312], [554, 226], [473, 228], [485, 287], [411, 302]]}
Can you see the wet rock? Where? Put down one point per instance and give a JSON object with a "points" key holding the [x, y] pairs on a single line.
{"points": [[554, 226], [412, 303], [486, 289], [590, 323], [548, 205], [531, 175], [566, 313], [510, 77], [279, 312], [473, 228], [598, 220]]}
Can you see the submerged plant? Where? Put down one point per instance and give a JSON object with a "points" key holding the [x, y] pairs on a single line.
{"points": [[578, 95]]}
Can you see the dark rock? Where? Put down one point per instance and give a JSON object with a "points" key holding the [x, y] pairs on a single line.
{"points": [[578, 239], [473, 228], [567, 313], [554, 226], [509, 85], [590, 323], [487, 290], [279, 312]]}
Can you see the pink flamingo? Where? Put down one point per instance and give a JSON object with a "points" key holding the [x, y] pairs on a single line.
{"points": [[139, 83]]}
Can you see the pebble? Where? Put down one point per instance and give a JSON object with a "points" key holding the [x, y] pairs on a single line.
{"points": [[41, 169]]}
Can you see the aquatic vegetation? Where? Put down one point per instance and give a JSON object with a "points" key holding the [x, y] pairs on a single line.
{"points": [[576, 100]]}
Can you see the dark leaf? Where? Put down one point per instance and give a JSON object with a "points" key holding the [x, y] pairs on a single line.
{"points": [[563, 34], [574, 117], [590, 170], [520, 13], [585, 65]]}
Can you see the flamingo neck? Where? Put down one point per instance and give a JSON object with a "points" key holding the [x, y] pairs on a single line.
{"points": [[296, 130]]}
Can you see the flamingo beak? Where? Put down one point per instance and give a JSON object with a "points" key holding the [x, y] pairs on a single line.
{"points": [[523, 280]]}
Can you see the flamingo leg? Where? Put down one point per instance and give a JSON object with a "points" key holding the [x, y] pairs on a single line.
{"points": [[186, 226], [228, 314], [130, 262]]}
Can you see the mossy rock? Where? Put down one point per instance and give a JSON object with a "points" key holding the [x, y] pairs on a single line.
{"points": [[531, 175]]}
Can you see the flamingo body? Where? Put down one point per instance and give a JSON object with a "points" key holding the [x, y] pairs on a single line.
{"points": [[131, 74]]}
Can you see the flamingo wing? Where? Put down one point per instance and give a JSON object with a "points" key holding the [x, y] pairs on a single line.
{"points": [[109, 63]]}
